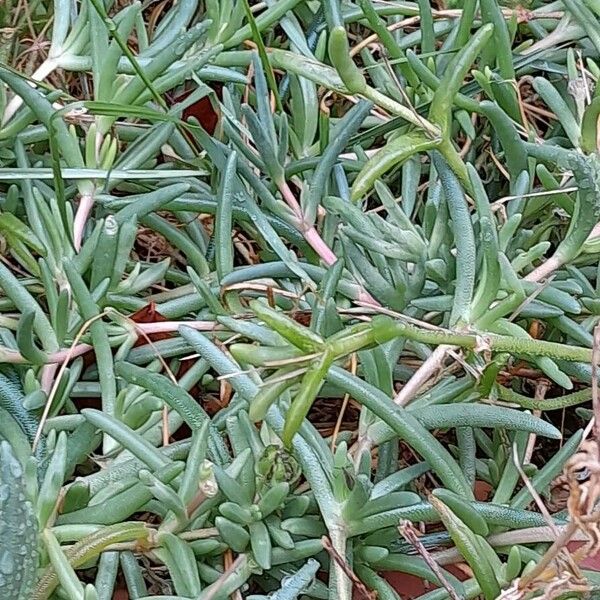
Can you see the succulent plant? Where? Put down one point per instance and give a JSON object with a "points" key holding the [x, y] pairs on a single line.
{"points": [[224, 223]]}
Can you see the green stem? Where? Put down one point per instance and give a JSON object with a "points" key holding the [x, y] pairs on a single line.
{"points": [[354, 339], [573, 399], [385, 329], [340, 585], [455, 162], [88, 548], [411, 116]]}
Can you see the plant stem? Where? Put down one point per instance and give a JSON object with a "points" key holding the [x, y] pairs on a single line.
{"points": [[422, 375], [340, 585], [88, 548], [84, 209], [558, 403], [311, 235], [481, 341], [16, 358], [314, 239], [411, 116]]}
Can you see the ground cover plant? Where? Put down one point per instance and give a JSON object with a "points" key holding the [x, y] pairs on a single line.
{"points": [[298, 299]]}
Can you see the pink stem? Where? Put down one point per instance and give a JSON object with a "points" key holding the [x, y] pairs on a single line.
{"points": [[319, 246], [311, 235], [83, 212], [291, 201], [12, 357], [314, 239], [364, 296], [545, 269], [168, 326], [47, 376], [555, 261], [62, 355]]}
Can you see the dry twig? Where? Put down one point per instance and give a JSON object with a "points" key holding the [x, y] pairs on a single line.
{"points": [[409, 533], [364, 593]]}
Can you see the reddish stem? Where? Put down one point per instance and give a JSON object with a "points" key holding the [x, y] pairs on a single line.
{"points": [[169, 326], [83, 212], [10, 356], [314, 239], [311, 235]]}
